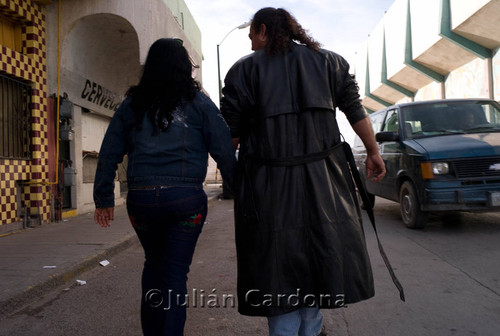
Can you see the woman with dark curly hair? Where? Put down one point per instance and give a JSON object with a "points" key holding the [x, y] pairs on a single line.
{"points": [[167, 127], [299, 237]]}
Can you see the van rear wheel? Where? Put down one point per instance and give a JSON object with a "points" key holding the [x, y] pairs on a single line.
{"points": [[412, 216]]}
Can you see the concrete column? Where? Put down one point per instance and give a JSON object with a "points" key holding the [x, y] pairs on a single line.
{"points": [[490, 78]]}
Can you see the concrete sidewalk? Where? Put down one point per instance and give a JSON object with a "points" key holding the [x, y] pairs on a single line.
{"points": [[40, 259]]}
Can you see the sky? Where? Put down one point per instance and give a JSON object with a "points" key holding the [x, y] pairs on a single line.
{"points": [[342, 26]]}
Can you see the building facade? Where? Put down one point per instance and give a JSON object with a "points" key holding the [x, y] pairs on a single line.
{"points": [[65, 67], [24, 186], [431, 49]]}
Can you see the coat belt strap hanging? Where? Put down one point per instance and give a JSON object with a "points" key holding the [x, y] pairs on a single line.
{"points": [[369, 210]]}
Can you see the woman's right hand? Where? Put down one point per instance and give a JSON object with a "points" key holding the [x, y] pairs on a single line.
{"points": [[104, 216]]}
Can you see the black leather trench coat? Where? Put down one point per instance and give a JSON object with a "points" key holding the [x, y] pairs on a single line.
{"points": [[299, 236]]}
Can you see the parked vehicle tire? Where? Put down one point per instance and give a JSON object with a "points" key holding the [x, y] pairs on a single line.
{"points": [[412, 216]]}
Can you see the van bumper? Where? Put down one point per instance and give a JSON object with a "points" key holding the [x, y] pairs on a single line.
{"points": [[476, 198]]}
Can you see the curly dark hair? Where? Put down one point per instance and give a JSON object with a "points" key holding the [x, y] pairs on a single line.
{"points": [[166, 81], [281, 29]]}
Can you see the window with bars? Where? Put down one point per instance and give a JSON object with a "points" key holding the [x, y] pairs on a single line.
{"points": [[15, 124]]}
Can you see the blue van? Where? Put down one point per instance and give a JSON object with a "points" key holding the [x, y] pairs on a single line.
{"points": [[440, 155]]}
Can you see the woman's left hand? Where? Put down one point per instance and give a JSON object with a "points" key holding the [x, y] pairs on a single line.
{"points": [[104, 216]]}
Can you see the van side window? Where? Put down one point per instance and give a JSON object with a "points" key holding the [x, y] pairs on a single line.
{"points": [[392, 122], [377, 120]]}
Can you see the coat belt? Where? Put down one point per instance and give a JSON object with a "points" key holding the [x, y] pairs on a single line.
{"points": [[295, 160]]}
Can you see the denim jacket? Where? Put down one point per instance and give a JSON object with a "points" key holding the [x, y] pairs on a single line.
{"points": [[177, 156]]}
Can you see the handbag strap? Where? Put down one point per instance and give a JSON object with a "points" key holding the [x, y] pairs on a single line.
{"points": [[369, 210]]}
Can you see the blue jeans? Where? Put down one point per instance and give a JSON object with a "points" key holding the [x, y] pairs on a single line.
{"points": [[302, 322], [168, 221]]}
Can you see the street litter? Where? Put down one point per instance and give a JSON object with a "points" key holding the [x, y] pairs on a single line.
{"points": [[104, 263], [81, 282], [49, 266]]}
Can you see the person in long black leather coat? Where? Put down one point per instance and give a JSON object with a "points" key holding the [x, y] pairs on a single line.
{"points": [[299, 237]]}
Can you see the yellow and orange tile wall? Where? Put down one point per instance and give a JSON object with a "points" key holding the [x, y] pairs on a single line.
{"points": [[28, 65]]}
